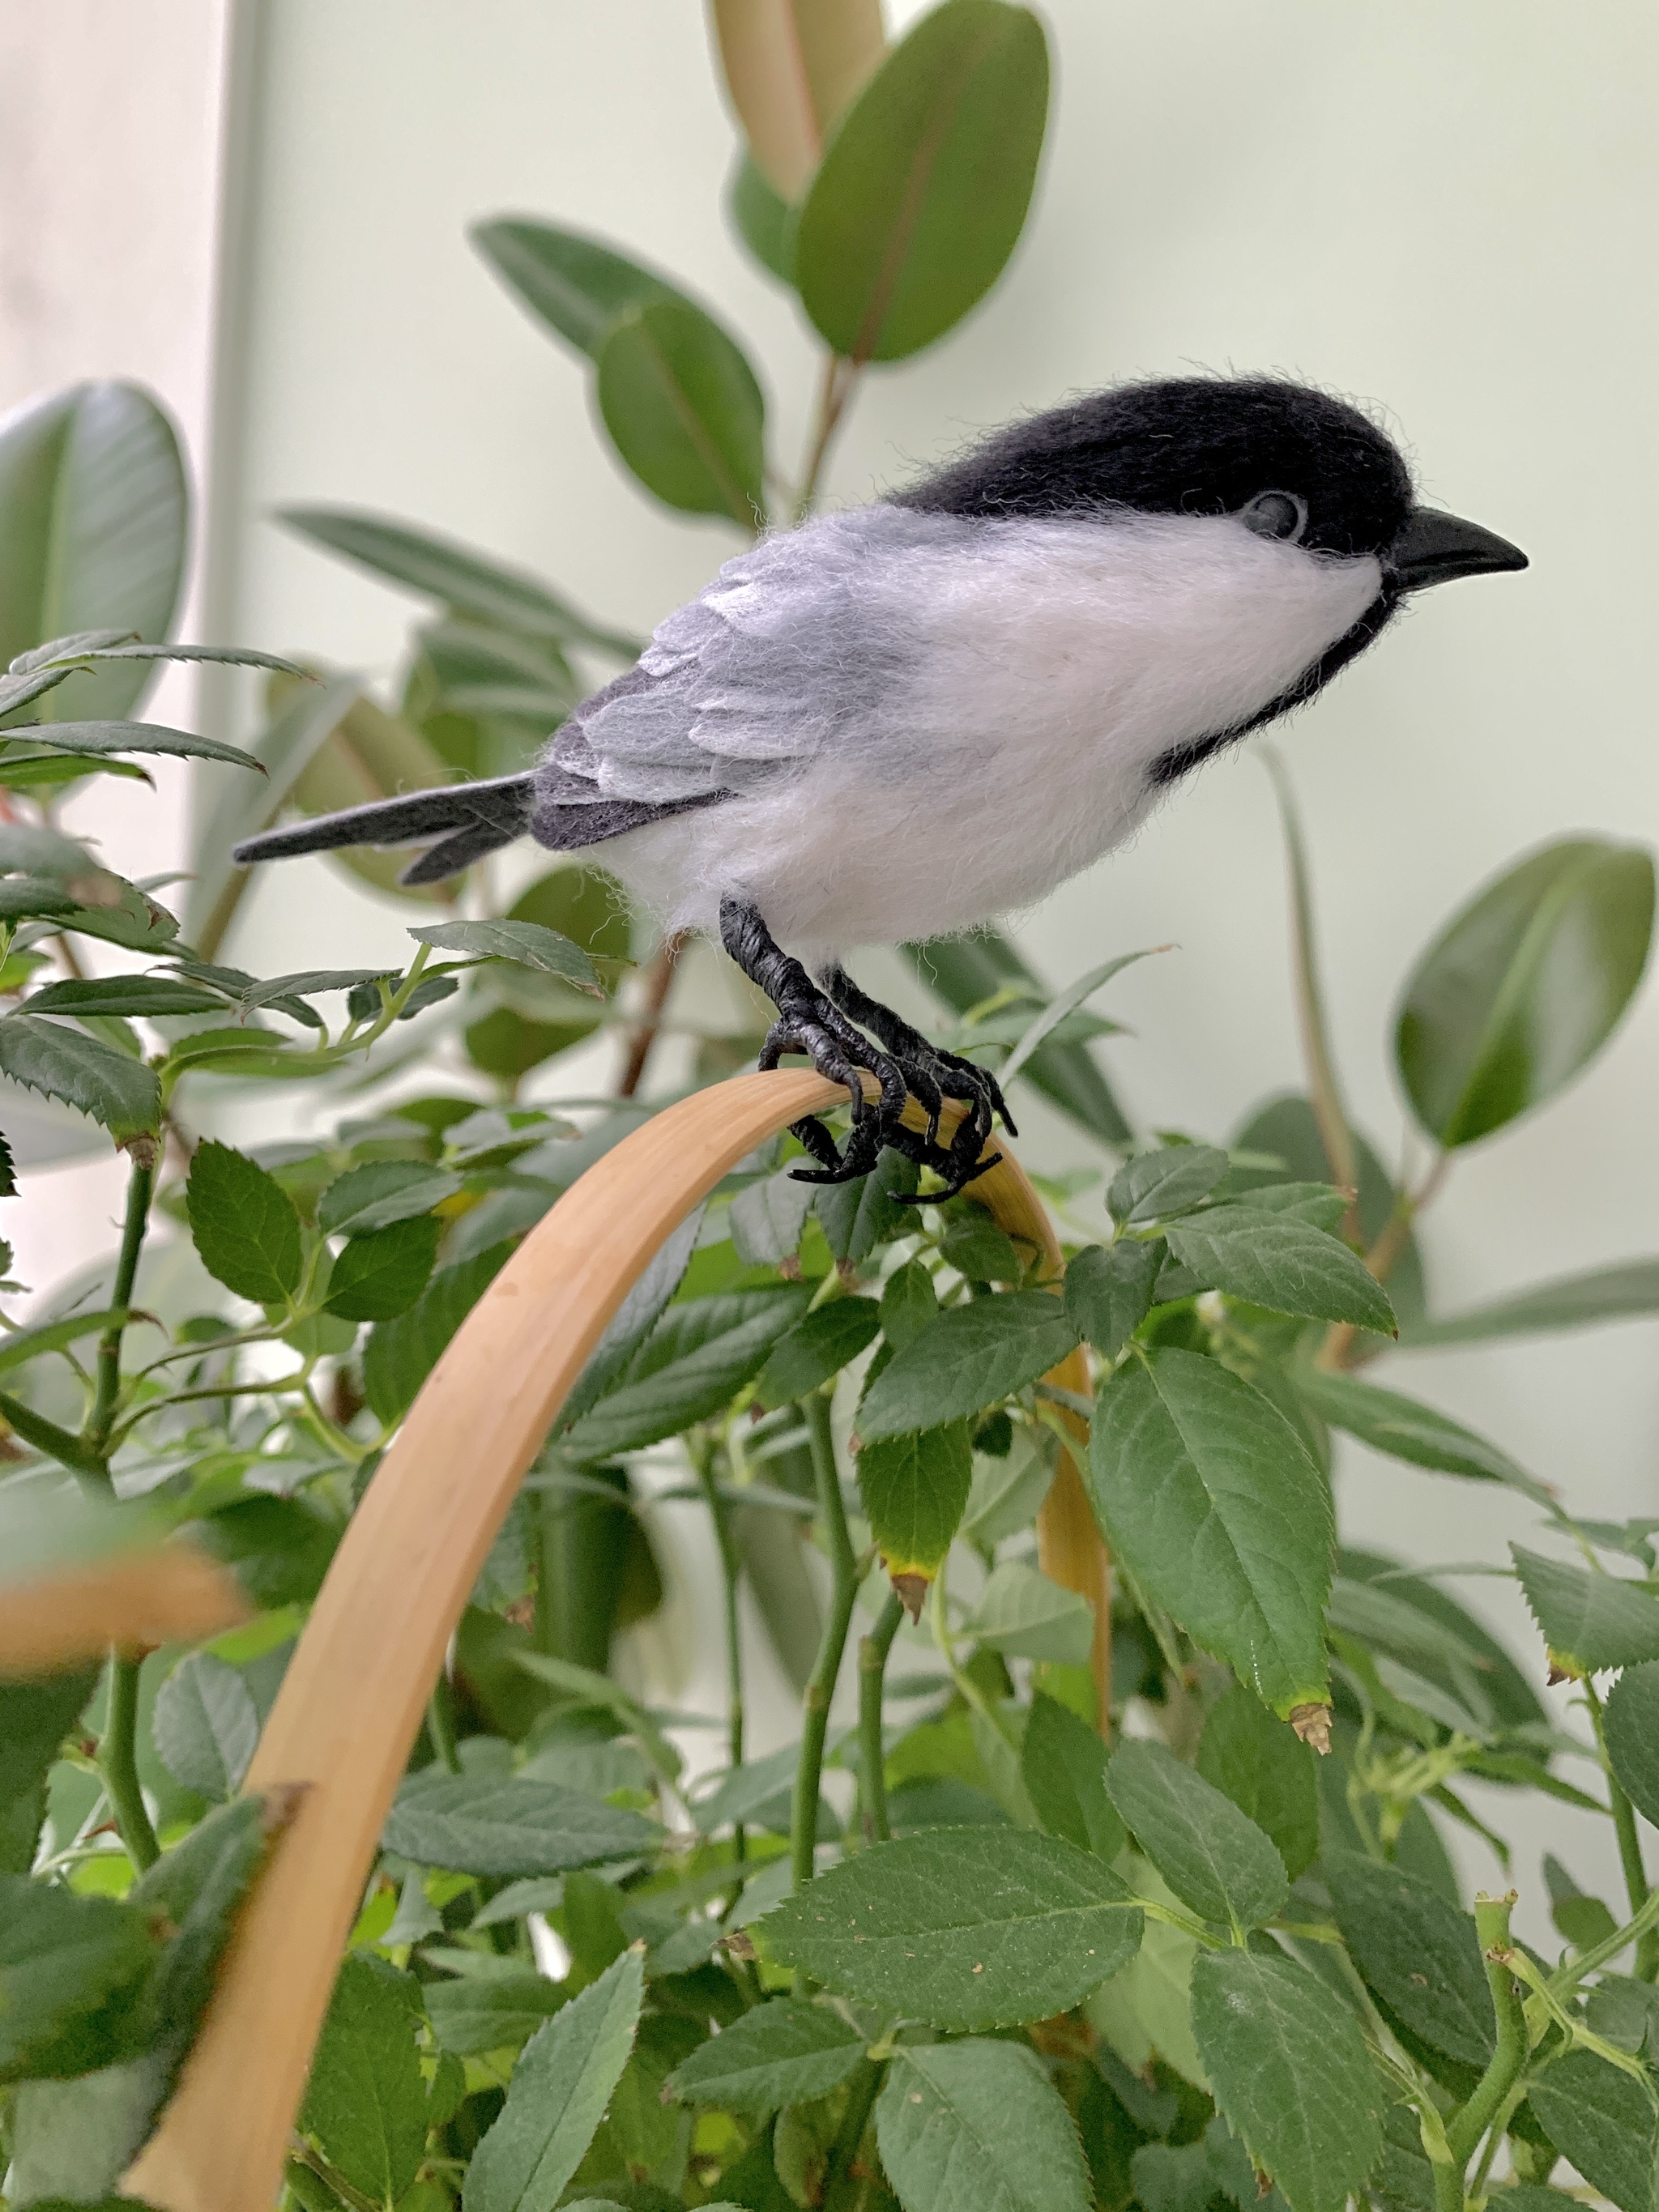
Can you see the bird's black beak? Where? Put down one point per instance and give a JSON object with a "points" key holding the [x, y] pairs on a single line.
{"points": [[1431, 548]]}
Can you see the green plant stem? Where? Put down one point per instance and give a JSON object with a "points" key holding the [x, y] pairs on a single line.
{"points": [[841, 2179], [1566, 1979], [1491, 1928], [703, 1461], [141, 1183], [1324, 1093], [307, 2155], [1630, 1843], [117, 1762], [836, 388], [1499, 2128], [441, 1726], [873, 1753], [815, 1719]]}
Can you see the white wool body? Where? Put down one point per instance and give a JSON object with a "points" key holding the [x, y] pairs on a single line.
{"points": [[925, 721]]}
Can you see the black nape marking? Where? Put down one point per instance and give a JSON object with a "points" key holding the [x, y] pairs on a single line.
{"points": [[1188, 445]]}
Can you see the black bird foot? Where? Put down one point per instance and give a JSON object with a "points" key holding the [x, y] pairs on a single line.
{"points": [[814, 1022]]}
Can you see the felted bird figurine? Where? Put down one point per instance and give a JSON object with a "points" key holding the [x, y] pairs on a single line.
{"points": [[900, 720]]}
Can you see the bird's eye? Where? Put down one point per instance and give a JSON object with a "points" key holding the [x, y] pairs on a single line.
{"points": [[1276, 515]]}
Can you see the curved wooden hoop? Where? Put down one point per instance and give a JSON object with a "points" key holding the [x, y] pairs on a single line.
{"points": [[357, 1685]]}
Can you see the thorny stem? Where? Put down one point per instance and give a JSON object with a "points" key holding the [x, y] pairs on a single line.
{"points": [[719, 1512], [804, 1820], [836, 388], [140, 1184], [873, 1756], [1630, 1843], [1491, 1928], [117, 1762], [659, 982]]}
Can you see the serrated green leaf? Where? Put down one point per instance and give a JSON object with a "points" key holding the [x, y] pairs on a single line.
{"points": [[781, 2053], [915, 1490], [1289, 2069], [67, 1963], [1416, 1952], [697, 1355], [636, 1317], [685, 410], [965, 1928], [365, 2101], [978, 2124], [22, 896], [246, 1229], [1022, 1612], [380, 1274], [909, 1302], [374, 1197], [34, 1718], [1212, 1856], [402, 1352], [1390, 1422], [91, 740], [107, 1085], [1275, 1260], [506, 1825], [1211, 1497], [561, 2087], [205, 1725], [1590, 1621], [1157, 1186], [921, 195], [858, 1215], [526, 942], [1062, 1762], [976, 1246], [1631, 1720], [1108, 1290], [1524, 987], [766, 1220], [1259, 1761], [969, 1357], [1604, 2122], [131, 996], [819, 1345], [472, 2015]]}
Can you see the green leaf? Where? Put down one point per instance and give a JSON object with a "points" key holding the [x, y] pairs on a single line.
{"points": [[1416, 1952], [93, 520], [1289, 2069], [915, 1490], [72, 2140], [66, 1964], [684, 411], [196, 1888], [560, 2089], [402, 1352], [365, 2101], [23, 1345], [908, 1304], [1062, 1762], [205, 1725], [382, 1273], [34, 1718], [506, 1824], [965, 1928], [1632, 1723], [1007, 1493], [1590, 1620], [471, 2015], [1212, 1856], [1211, 1497], [976, 1247], [693, 1361], [1524, 987], [819, 1345], [1067, 1000], [245, 1228], [92, 740], [766, 1220], [579, 287], [454, 575], [44, 771], [971, 1356], [130, 919], [132, 996], [1390, 1422], [1108, 1290], [1275, 1261], [763, 218], [1021, 1613], [1603, 2122], [526, 942], [858, 1215], [1573, 1302], [374, 1197], [1318, 1204], [24, 896], [636, 1316], [1259, 1761], [978, 2124], [781, 2053], [107, 1085], [921, 195], [1155, 1186]]}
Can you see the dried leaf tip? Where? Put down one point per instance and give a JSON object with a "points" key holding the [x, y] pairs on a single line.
{"points": [[911, 1591], [1313, 1724]]}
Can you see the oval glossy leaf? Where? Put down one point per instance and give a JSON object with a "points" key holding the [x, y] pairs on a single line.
{"points": [[1524, 987], [1062, 1762], [1211, 1498], [205, 1725], [978, 2124], [1212, 1856], [1290, 2070], [763, 219], [1632, 1722], [971, 1356], [781, 2053], [365, 2101], [1416, 1952], [382, 1273], [1390, 1422], [1276, 1260], [684, 411], [1154, 1186], [245, 1228], [506, 1825], [921, 196], [694, 1359], [558, 2094], [1590, 1621], [914, 1491], [968, 1928], [579, 287], [1022, 1612], [93, 519], [1260, 1762], [107, 1085]]}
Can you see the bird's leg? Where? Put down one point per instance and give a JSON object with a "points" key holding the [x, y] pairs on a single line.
{"points": [[811, 1022], [933, 1075]]}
